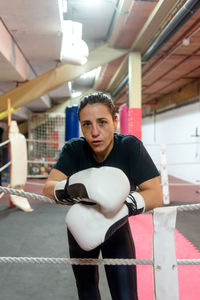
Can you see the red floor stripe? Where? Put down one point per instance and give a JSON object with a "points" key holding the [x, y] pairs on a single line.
{"points": [[189, 276]]}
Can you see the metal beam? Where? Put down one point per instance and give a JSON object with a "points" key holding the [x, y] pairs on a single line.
{"points": [[54, 78]]}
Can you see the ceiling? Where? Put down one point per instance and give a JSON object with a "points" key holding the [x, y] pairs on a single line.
{"points": [[167, 33]]}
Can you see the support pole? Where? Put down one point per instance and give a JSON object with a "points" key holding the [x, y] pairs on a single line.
{"points": [[135, 94]]}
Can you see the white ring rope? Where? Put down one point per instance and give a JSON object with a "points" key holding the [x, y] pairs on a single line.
{"points": [[1, 195], [188, 207], [32, 196], [184, 184], [35, 183], [5, 166], [4, 143], [77, 261], [89, 261], [173, 184], [26, 194], [188, 261], [41, 141], [40, 162], [175, 144], [184, 163]]}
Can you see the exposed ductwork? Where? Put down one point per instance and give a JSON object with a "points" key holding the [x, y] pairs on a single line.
{"points": [[183, 15]]}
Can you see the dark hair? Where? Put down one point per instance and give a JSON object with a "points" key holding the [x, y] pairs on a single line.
{"points": [[98, 98]]}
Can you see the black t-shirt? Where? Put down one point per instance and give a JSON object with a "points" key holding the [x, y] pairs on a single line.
{"points": [[127, 154]]}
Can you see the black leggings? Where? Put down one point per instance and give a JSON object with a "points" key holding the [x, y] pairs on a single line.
{"points": [[122, 280]]}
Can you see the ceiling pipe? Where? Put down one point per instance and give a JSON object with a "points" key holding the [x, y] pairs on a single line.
{"points": [[119, 88], [182, 16], [121, 85], [112, 20]]}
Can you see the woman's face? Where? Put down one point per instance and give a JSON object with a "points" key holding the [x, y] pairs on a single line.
{"points": [[98, 128]]}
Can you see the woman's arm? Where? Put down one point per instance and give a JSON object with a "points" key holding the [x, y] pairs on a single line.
{"points": [[54, 177], [152, 193]]}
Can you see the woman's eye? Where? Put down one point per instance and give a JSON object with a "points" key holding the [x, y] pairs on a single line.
{"points": [[85, 124], [102, 122]]}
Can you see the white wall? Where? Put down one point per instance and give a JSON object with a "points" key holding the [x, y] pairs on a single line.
{"points": [[172, 127]]}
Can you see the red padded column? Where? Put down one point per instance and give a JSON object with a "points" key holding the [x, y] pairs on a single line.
{"points": [[135, 122]]}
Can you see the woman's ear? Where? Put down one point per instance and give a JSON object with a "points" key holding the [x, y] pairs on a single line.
{"points": [[116, 119]]}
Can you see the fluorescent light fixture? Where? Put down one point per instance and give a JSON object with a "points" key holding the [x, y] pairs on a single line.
{"points": [[64, 6], [72, 30], [75, 54], [89, 74], [186, 42], [75, 94], [69, 85], [63, 9], [93, 1], [74, 49]]}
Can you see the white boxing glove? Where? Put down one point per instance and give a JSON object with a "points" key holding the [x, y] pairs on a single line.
{"points": [[61, 194], [70, 194], [107, 187], [135, 203], [90, 227]]}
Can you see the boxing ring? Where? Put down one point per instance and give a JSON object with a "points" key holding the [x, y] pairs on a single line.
{"points": [[164, 260], [164, 263]]}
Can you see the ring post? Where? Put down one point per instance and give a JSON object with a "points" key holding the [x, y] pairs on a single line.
{"points": [[164, 254], [164, 175]]}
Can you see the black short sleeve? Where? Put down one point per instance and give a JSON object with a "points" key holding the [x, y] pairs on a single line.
{"points": [[128, 154], [67, 162], [141, 164]]}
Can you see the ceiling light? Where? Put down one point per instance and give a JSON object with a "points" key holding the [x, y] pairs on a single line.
{"points": [[64, 6], [69, 85], [89, 74], [75, 94], [186, 42], [93, 1], [74, 53], [74, 50]]}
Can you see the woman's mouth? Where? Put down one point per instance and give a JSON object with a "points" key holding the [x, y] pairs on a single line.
{"points": [[96, 143]]}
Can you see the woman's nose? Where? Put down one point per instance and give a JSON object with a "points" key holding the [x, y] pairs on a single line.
{"points": [[95, 130]]}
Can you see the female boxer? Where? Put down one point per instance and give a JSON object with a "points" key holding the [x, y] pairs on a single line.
{"points": [[100, 147]]}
